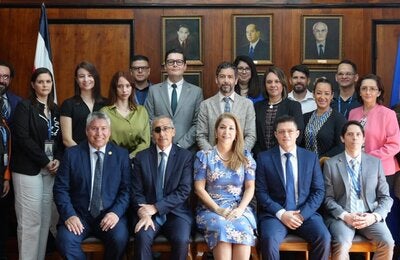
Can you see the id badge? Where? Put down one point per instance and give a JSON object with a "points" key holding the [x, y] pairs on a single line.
{"points": [[5, 159], [48, 149]]}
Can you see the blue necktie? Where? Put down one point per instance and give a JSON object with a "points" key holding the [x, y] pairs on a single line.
{"points": [[227, 107], [160, 219], [96, 203], [174, 99], [290, 193], [251, 52]]}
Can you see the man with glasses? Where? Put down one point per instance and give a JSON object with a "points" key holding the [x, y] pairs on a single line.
{"points": [[178, 99], [346, 99], [162, 183], [289, 191], [140, 71]]}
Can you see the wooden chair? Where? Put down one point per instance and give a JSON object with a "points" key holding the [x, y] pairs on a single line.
{"points": [[362, 245], [295, 243], [91, 246]]}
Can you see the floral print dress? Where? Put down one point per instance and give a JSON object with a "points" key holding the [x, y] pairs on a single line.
{"points": [[226, 187]]}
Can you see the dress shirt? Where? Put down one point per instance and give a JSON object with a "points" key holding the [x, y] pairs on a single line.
{"points": [[93, 159], [166, 151], [222, 102], [253, 44], [323, 46], [179, 85], [307, 103]]}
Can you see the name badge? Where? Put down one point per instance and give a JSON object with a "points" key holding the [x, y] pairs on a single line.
{"points": [[49, 149]]}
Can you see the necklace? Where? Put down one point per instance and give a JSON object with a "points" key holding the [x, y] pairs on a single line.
{"points": [[272, 104], [221, 157]]}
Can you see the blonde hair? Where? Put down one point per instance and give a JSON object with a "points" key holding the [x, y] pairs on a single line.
{"points": [[237, 159]]}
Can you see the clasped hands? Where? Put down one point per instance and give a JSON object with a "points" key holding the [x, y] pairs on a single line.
{"points": [[292, 219], [145, 212], [359, 220], [75, 225], [229, 214]]}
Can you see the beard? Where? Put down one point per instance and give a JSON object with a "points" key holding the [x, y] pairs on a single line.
{"points": [[226, 89], [3, 88], [299, 88]]}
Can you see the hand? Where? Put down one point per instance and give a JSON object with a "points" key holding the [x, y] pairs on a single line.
{"points": [[292, 219], [235, 213], [146, 210], [74, 225], [222, 212], [364, 220], [349, 218], [145, 222], [6, 188], [109, 221], [52, 166]]}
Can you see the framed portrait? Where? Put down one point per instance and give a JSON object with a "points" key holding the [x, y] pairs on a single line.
{"points": [[185, 33], [328, 73], [322, 39], [194, 77], [252, 36]]}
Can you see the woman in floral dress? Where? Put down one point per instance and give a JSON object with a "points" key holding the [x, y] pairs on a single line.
{"points": [[224, 182]]}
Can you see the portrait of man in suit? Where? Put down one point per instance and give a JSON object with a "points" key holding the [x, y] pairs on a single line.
{"points": [[162, 183], [289, 191], [252, 38], [322, 39], [92, 192], [357, 198]]}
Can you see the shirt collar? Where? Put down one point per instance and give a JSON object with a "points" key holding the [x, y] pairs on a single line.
{"points": [[93, 150], [293, 152], [178, 84], [254, 44], [232, 96], [166, 150], [348, 158]]}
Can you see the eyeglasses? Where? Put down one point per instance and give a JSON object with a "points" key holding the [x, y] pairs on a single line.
{"points": [[370, 89], [158, 129], [177, 62], [241, 69], [282, 132], [139, 68], [5, 77], [345, 74]]}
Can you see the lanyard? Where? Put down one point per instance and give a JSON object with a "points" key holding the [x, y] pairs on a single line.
{"points": [[355, 180], [340, 104], [49, 126]]}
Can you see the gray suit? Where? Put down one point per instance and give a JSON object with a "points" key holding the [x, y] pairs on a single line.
{"points": [[374, 193], [210, 110], [185, 118]]}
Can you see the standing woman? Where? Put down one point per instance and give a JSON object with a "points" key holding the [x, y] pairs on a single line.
{"points": [[87, 99], [37, 149], [274, 106], [248, 84], [130, 127], [382, 138], [323, 125], [224, 180]]}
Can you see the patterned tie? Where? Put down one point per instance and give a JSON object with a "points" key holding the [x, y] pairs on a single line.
{"points": [[251, 52], [174, 98], [96, 202], [320, 50], [160, 219], [290, 193], [354, 198], [227, 107], [5, 111]]}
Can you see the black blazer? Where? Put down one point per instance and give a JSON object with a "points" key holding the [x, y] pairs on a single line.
{"points": [[286, 107]]}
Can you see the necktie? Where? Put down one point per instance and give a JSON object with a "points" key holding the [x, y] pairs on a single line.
{"points": [[174, 98], [354, 198], [320, 50], [227, 107], [251, 52], [160, 219], [96, 203], [290, 193], [5, 111]]}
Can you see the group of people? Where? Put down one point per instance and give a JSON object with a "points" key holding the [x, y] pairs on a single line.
{"points": [[251, 141]]}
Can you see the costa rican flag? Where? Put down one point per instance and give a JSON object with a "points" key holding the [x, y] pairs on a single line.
{"points": [[43, 48]]}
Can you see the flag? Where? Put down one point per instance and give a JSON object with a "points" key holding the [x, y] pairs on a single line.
{"points": [[43, 48], [395, 98]]}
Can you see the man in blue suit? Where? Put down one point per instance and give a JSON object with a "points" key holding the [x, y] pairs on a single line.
{"points": [[162, 183], [289, 190], [92, 191]]}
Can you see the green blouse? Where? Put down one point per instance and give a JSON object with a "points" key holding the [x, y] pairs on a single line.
{"points": [[131, 132]]}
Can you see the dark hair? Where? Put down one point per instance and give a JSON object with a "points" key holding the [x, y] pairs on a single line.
{"points": [[284, 119], [112, 93], [9, 66], [349, 62], [322, 80], [139, 57], [282, 78], [176, 50], [226, 65], [300, 68], [184, 26], [92, 70], [349, 123], [254, 86], [379, 83], [33, 96]]}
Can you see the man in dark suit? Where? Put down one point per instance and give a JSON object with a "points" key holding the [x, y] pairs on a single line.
{"points": [[257, 49], [320, 47], [357, 198], [186, 42], [92, 192], [178, 99], [289, 190], [162, 183]]}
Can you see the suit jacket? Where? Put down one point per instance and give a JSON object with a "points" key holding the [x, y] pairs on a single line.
{"points": [[185, 117], [13, 101], [210, 110], [331, 51], [191, 49], [177, 186], [72, 186], [374, 188], [286, 107], [270, 183], [261, 50]]}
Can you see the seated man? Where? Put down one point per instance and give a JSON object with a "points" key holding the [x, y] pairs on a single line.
{"points": [[91, 196], [162, 183], [289, 190], [357, 197]]}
